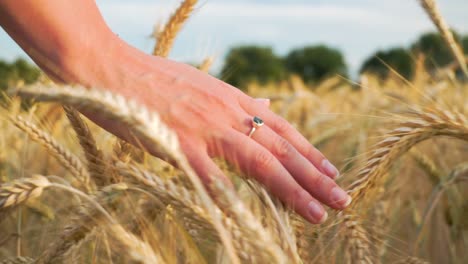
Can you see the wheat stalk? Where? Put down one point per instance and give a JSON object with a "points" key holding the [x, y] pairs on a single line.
{"points": [[433, 12], [166, 37], [411, 260], [425, 124], [186, 201], [206, 64], [261, 240], [95, 158], [146, 125], [86, 219], [138, 250], [65, 157], [17, 260]]}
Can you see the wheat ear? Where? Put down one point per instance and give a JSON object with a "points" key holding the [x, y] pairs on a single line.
{"points": [[421, 125], [86, 219], [424, 125], [166, 37], [94, 157], [195, 217], [433, 12], [20, 191], [357, 243], [146, 125], [261, 240], [138, 250], [65, 157], [206, 64]]}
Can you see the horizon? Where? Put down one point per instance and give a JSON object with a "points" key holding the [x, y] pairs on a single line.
{"points": [[358, 28]]}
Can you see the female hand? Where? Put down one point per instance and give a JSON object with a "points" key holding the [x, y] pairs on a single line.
{"points": [[71, 43], [213, 119]]}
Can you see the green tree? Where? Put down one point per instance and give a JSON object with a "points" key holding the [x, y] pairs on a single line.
{"points": [[20, 69], [313, 63], [247, 63], [398, 59], [464, 43], [433, 46]]}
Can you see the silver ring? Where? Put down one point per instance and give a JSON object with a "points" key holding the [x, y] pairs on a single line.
{"points": [[256, 123]]}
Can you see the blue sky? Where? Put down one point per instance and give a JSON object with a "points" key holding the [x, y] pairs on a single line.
{"points": [[356, 27]]}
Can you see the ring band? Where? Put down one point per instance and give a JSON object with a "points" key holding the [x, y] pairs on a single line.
{"points": [[256, 123]]}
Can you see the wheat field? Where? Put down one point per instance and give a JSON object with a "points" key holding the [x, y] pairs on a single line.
{"points": [[73, 193]]}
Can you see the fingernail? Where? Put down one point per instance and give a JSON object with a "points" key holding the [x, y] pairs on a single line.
{"points": [[340, 197], [317, 213], [264, 101], [329, 169]]}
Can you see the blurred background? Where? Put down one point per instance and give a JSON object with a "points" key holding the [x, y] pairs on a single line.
{"points": [[265, 40]]}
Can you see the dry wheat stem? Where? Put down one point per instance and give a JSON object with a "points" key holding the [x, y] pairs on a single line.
{"points": [[166, 37], [65, 157], [138, 250], [87, 218], [413, 129], [94, 157], [284, 234], [17, 260], [195, 218], [206, 64], [262, 240], [425, 124], [459, 171], [411, 260], [146, 125], [186, 201], [433, 12]]}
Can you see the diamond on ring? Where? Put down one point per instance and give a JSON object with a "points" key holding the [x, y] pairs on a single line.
{"points": [[256, 123]]}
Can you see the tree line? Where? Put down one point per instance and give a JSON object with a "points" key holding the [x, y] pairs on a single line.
{"points": [[314, 63], [245, 64], [17, 71]]}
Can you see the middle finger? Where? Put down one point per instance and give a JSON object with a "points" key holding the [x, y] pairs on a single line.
{"points": [[304, 172]]}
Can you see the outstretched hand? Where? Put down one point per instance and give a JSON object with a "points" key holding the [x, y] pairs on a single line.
{"points": [[70, 41], [213, 119]]}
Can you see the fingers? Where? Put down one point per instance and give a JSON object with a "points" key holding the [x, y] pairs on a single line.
{"points": [[263, 101], [285, 130], [302, 170], [258, 162], [204, 166]]}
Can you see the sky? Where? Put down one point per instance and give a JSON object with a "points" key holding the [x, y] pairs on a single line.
{"points": [[356, 27]]}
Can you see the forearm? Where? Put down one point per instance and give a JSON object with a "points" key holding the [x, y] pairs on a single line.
{"points": [[58, 35]]}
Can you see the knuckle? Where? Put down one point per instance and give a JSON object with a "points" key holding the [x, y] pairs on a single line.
{"points": [[263, 160], [297, 195], [281, 126], [283, 149], [312, 153], [319, 180]]}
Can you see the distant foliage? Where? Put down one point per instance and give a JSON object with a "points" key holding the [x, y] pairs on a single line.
{"points": [[314, 63], [19, 70], [464, 43], [248, 63], [437, 52], [381, 63]]}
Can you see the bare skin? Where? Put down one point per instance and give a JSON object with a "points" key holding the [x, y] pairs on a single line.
{"points": [[71, 42]]}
